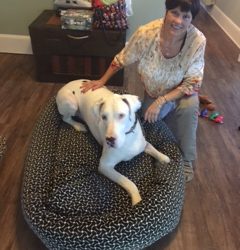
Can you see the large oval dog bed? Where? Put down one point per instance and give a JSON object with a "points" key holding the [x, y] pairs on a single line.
{"points": [[69, 205]]}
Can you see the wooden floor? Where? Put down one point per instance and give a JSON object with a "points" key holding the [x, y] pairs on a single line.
{"points": [[211, 214]]}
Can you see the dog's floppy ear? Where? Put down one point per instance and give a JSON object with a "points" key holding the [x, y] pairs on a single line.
{"points": [[133, 101], [98, 106]]}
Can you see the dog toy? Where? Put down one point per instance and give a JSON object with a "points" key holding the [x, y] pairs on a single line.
{"points": [[219, 119], [206, 103], [215, 116], [204, 113]]}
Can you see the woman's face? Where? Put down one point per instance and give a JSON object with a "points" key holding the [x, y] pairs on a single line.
{"points": [[177, 21]]}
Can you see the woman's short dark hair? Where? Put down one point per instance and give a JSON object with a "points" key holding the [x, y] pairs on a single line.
{"points": [[185, 5]]}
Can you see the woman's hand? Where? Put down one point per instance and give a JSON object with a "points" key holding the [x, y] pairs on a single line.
{"points": [[151, 115], [95, 84]]}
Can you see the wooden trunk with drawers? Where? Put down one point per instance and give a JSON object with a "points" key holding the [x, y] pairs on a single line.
{"points": [[64, 55]]}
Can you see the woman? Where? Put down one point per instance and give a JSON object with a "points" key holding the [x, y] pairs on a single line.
{"points": [[170, 57]]}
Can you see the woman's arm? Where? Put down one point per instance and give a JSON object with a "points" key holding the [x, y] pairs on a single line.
{"points": [[95, 84], [128, 55], [151, 114]]}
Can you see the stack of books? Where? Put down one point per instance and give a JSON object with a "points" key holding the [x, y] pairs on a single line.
{"points": [[76, 19]]}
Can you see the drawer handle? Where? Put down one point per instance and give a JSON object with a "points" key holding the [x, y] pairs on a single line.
{"points": [[77, 37]]}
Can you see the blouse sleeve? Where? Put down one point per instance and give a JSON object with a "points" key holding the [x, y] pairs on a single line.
{"points": [[192, 80], [133, 50]]}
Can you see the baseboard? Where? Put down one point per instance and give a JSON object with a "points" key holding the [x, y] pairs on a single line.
{"points": [[228, 26], [15, 44]]}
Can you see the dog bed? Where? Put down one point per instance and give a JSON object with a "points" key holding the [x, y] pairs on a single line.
{"points": [[69, 205]]}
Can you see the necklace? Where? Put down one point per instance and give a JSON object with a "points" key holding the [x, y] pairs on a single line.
{"points": [[170, 48]]}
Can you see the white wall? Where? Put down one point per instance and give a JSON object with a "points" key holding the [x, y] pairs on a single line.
{"points": [[227, 14], [231, 8], [16, 15], [145, 11], [15, 18]]}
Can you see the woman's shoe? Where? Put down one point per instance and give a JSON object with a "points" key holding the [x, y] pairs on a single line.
{"points": [[188, 171]]}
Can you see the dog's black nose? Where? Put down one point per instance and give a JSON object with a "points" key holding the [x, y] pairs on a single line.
{"points": [[110, 141]]}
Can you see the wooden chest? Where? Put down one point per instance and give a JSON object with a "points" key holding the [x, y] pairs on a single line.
{"points": [[64, 55]]}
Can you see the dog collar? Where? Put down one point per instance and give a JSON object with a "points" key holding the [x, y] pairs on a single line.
{"points": [[131, 130]]}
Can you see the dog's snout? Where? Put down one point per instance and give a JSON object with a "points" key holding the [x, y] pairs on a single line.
{"points": [[110, 141]]}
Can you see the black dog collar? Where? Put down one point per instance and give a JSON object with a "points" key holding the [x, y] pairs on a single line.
{"points": [[131, 130]]}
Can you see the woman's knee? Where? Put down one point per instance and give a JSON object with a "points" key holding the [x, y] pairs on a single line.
{"points": [[188, 105]]}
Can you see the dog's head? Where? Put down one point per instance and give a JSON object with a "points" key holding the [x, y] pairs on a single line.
{"points": [[116, 117]]}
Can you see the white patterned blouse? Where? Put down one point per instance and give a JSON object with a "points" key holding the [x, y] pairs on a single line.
{"points": [[159, 74]]}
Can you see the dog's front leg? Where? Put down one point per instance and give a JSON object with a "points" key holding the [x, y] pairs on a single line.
{"points": [[77, 125], [149, 149], [109, 171]]}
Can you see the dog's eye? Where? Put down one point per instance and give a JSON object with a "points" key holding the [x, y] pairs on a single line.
{"points": [[104, 117], [121, 116]]}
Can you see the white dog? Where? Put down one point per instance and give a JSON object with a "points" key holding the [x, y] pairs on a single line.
{"points": [[112, 120]]}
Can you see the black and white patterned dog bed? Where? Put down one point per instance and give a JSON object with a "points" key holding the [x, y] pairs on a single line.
{"points": [[69, 205]]}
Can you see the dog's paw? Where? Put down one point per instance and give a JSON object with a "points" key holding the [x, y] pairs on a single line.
{"points": [[80, 127], [165, 159], [136, 199]]}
